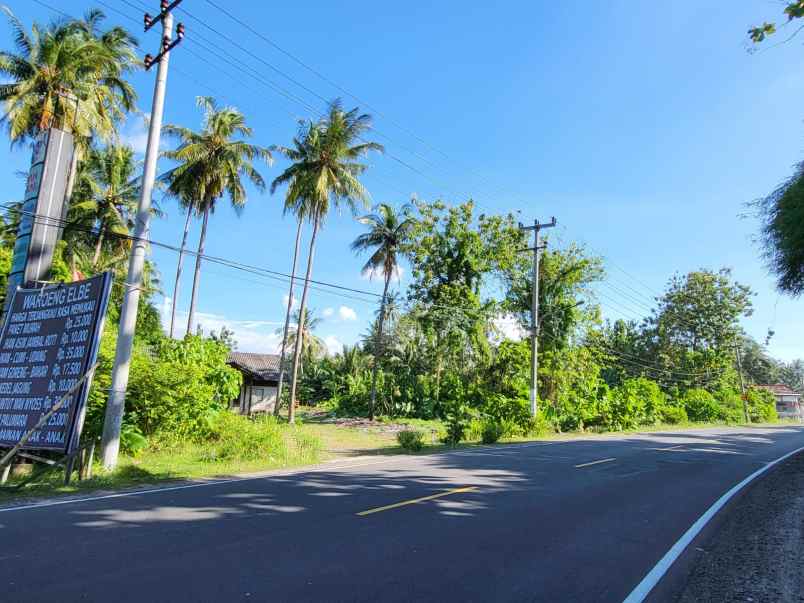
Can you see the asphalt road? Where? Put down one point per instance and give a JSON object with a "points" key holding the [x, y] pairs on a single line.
{"points": [[567, 521]]}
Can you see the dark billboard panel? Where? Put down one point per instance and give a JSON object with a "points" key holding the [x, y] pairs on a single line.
{"points": [[49, 341]]}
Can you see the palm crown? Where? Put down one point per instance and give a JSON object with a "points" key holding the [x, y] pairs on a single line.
{"points": [[214, 162], [69, 75], [325, 167]]}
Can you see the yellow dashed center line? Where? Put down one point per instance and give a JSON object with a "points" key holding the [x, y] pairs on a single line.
{"points": [[413, 501], [595, 462]]}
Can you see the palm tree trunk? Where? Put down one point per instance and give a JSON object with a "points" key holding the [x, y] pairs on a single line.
{"points": [[197, 275], [287, 321], [178, 270], [98, 245], [378, 350], [299, 332]]}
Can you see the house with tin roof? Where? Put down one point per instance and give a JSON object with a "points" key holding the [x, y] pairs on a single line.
{"points": [[788, 401], [260, 381]]}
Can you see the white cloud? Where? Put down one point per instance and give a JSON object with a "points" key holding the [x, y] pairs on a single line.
{"points": [[327, 312], [508, 327], [377, 273], [285, 301], [250, 335], [347, 313], [334, 346]]}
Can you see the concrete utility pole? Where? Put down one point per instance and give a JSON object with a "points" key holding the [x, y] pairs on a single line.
{"points": [[534, 311], [742, 383], [131, 298]]}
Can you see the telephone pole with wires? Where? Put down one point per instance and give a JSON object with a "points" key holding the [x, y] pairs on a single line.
{"points": [[534, 310], [131, 297]]}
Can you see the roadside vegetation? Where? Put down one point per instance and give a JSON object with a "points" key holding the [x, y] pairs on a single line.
{"points": [[447, 358]]}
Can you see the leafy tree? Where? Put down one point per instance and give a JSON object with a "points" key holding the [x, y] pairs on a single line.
{"points": [[565, 296], [792, 10], [693, 333], [450, 257], [782, 234], [792, 375], [782, 212], [213, 163], [758, 366], [388, 232], [324, 171]]}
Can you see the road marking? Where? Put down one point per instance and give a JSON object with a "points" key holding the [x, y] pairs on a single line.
{"points": [[413, 501], [595, 462], [642, 590]]}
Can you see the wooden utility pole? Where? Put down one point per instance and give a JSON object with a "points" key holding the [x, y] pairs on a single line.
{"points": [[534, 311]]}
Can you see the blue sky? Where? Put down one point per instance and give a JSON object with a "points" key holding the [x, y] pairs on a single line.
{"points": [[643, 127]]}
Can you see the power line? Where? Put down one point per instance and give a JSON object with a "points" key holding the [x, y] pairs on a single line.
{"points": [[46, 220]]}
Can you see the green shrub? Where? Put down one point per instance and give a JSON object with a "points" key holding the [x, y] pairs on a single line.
{"points": [[513, 409], [132, 441], [411, 439], [538, 425], [474, 432], [701, 406], [492, 432], [239, 438], [761, 405], [673, 415]]}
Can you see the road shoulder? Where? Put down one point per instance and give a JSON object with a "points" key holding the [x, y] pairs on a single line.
{"points": [[754, 548]]}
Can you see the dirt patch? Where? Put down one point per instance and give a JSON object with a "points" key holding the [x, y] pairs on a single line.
{"points": [[758, 552], [329, 418]]}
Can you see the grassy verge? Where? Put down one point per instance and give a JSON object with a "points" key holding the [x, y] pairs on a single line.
{"points": [[287, 447], [319, 436]]}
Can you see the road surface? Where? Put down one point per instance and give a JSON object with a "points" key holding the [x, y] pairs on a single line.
{"points": [[580, 520]]}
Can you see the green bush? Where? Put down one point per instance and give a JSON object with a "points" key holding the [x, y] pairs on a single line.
{"points": [[457, 423], [538, 425], [236, 437], [701, 406], [761, 405], [411, 439], [673, 415], [492, 432], [511, 409], [132, 440]]}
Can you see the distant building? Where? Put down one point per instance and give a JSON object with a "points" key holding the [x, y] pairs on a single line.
{"points": [[260, 381], [788, 402]]}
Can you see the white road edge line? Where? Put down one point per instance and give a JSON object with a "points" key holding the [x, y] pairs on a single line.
{"points": [[643, 589], [595, 462]]}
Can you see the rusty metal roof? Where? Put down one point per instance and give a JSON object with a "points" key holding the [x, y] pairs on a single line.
{"points": [[779, 389]]}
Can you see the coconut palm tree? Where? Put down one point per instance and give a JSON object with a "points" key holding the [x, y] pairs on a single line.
{"points": [[213, 163], [69, 75], [324, 172], [283, 348], [388, 232], [312, 345], [107, 194]]}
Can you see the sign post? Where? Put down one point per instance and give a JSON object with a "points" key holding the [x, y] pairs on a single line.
{"points": [[42, 210], [48, 350]]}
